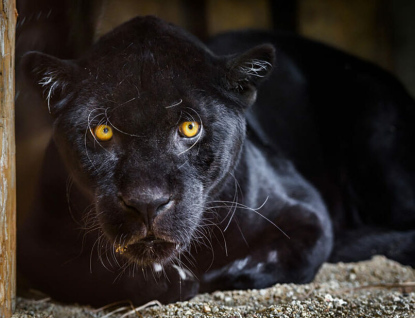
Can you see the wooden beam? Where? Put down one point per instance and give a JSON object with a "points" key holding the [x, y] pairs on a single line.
{"points": [[8, 17], [194, 16], [284, 14]]}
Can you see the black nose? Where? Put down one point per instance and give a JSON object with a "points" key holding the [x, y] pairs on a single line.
{"points": [[148, 206]]}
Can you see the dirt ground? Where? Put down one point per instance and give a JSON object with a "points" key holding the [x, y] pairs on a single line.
{"points": [[375, 288]]}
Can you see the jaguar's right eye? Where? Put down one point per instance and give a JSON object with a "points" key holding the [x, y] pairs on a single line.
{"points": [[103, 132], [189, 129]]}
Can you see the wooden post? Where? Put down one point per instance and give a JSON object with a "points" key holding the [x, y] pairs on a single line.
{"points": [[7, 160]]}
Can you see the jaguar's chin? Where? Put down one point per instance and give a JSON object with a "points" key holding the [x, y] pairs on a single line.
{"points": [[149, 251]]}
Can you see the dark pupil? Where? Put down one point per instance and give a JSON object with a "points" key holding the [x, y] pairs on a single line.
{"points": [[190, 126], [105, 130]]}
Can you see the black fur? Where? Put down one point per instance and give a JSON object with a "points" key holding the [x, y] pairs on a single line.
{"points": [[250, 201]]}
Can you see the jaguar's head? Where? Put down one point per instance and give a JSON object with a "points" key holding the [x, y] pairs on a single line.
{"points": [[150, 124]]}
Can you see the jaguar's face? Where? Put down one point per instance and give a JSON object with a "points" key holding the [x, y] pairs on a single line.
{"points": [[150, 163], [151, 125]]}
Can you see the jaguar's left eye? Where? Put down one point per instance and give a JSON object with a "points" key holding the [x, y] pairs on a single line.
{"points": [[103, 132], [189, 129]]}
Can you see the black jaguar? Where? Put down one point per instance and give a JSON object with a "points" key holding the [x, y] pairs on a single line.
{"points": [[177, 168]]}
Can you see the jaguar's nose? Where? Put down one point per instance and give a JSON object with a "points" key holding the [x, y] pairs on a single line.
{"points": [[147, 206]]}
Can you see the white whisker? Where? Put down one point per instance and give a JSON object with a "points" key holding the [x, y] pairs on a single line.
{"points": [[176, 104]]}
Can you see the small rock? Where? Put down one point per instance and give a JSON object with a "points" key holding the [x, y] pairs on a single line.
{"points": [[228, 300], [328, 298], [219, 296]]}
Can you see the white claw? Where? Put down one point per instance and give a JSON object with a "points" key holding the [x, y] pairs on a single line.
{"points": [[157, 267]]}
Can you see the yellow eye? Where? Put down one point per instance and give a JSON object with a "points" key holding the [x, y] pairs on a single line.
{"points": [[189, 129], [103, 132]]}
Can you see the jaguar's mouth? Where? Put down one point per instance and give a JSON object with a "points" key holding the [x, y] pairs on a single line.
{"points": [[150, 240], [149, 250]]}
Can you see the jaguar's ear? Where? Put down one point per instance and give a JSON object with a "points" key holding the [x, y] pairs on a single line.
{"points": [[52, 77], [248, 70]]}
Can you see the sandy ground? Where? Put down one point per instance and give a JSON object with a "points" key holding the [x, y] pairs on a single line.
{"points": [[375, 288]]}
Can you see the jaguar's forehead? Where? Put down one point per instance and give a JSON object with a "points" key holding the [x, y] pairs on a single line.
{"points": [[149, 52]]}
